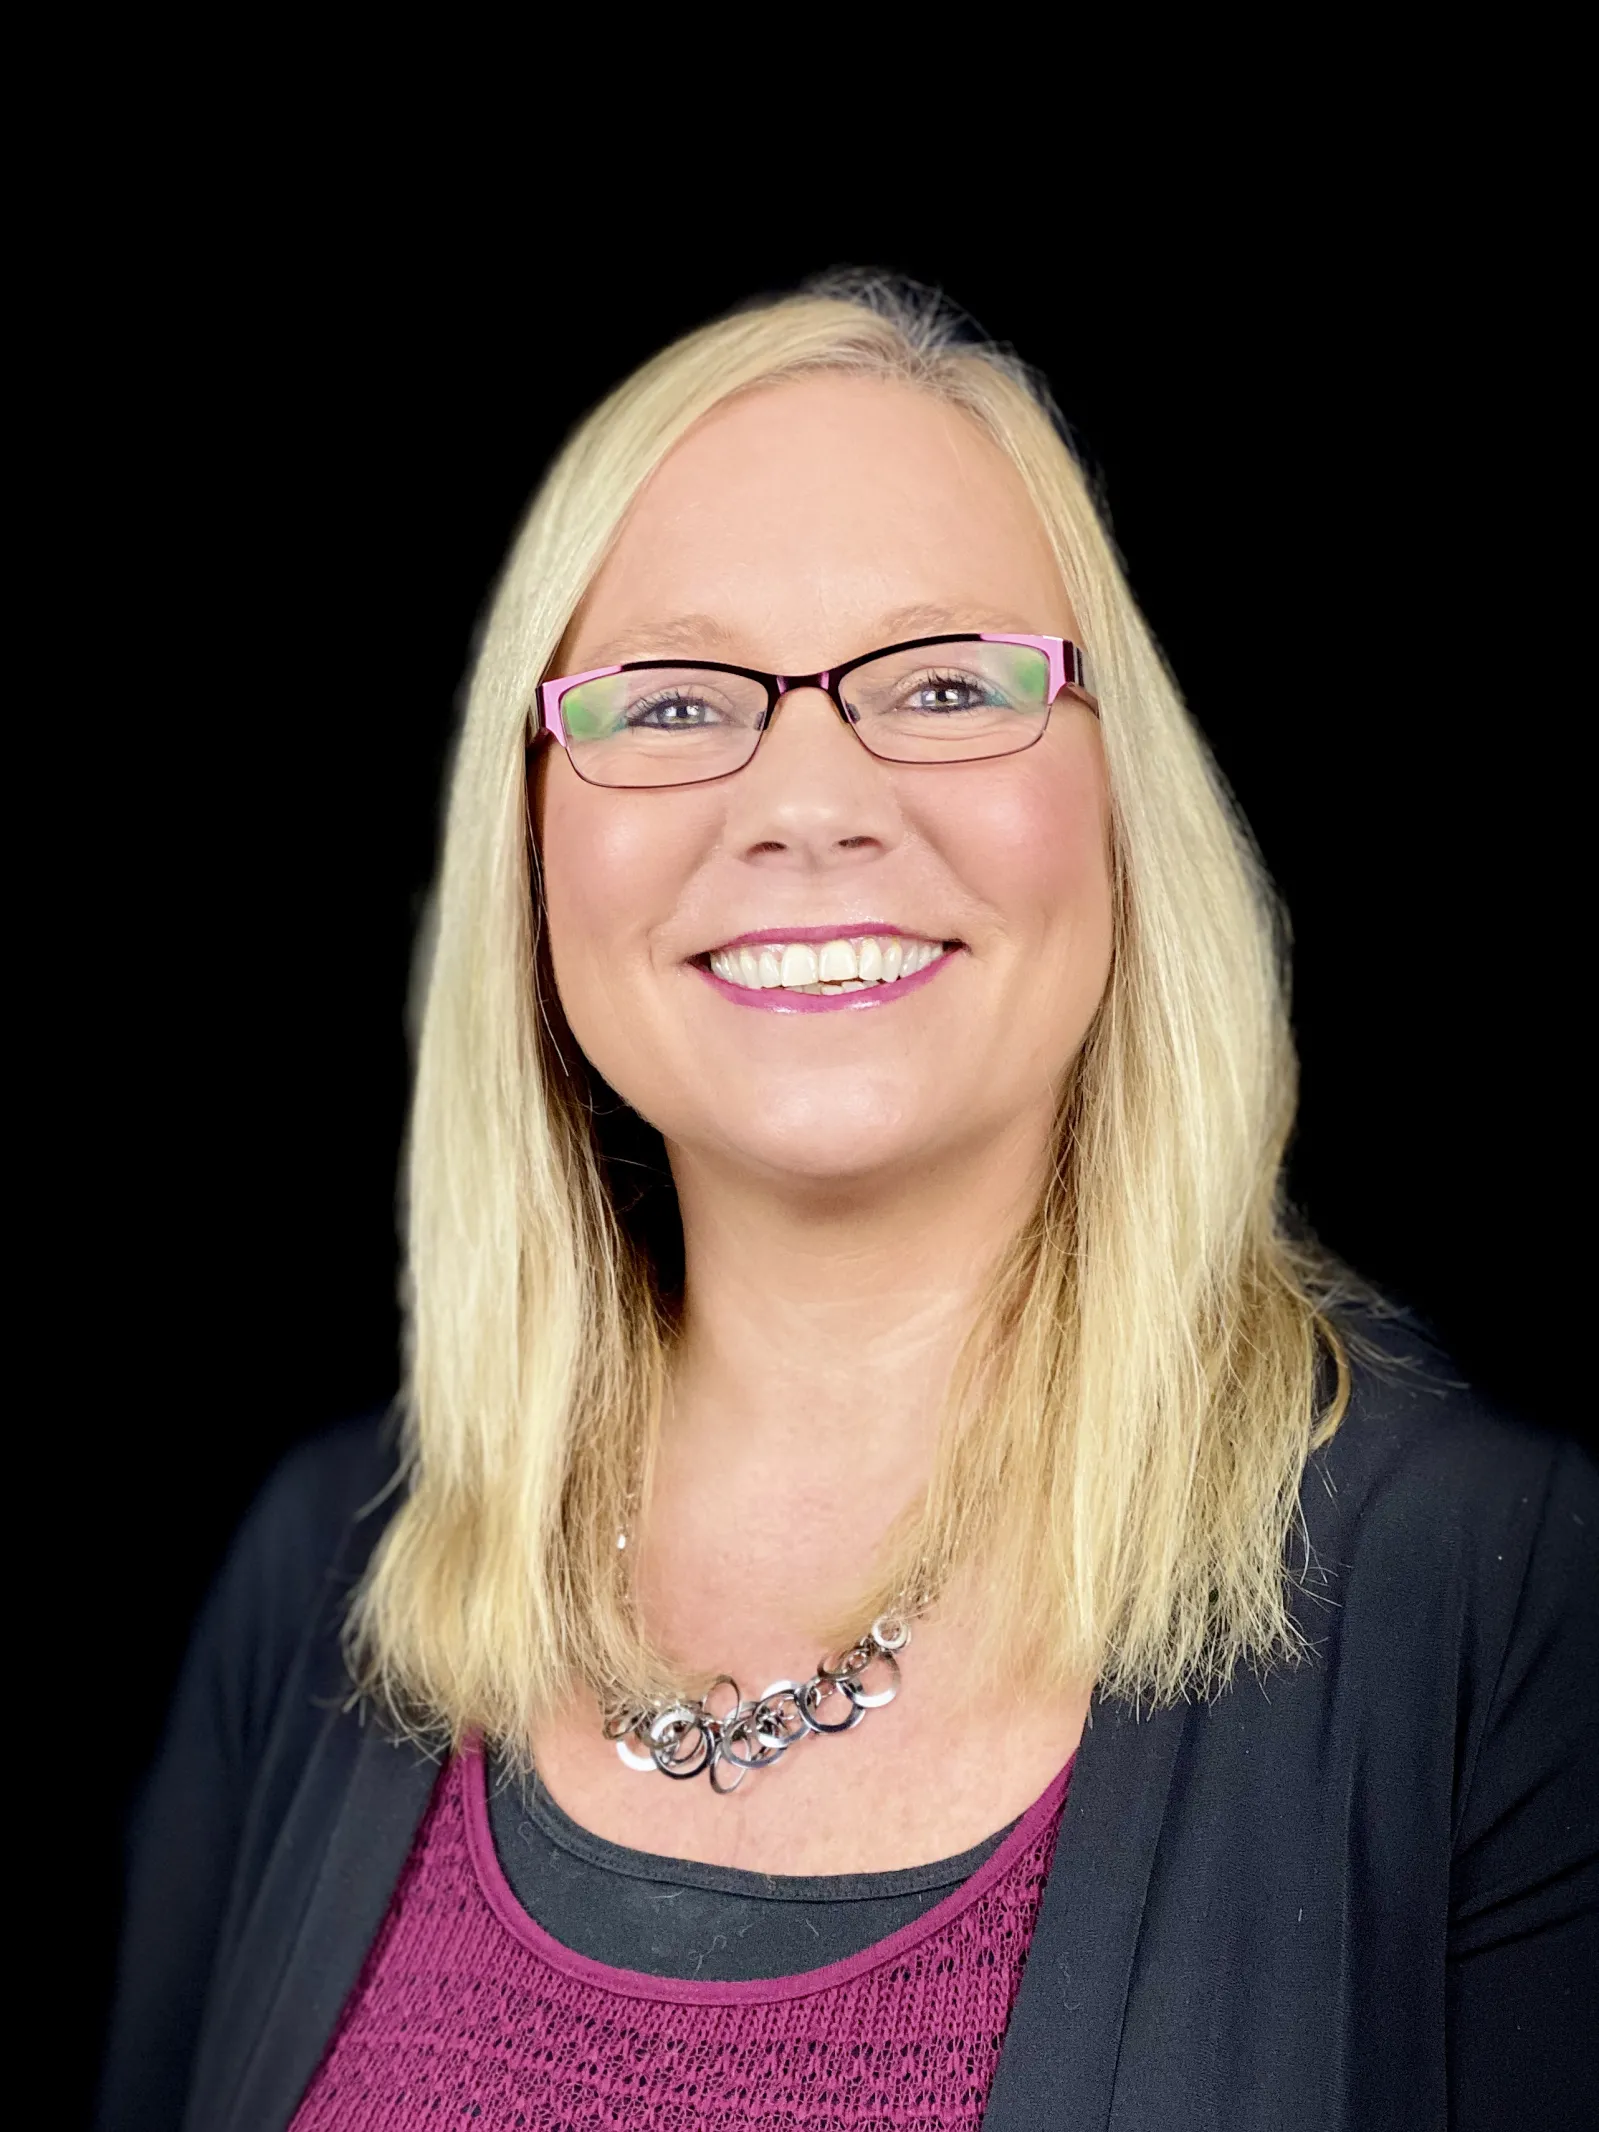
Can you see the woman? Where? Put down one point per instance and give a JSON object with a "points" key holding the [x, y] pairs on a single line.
{"points": [[845, 1218]]}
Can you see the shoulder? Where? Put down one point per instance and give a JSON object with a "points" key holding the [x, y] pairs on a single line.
{"points": [[1423, 1464], [1442, 1535], [280, 1599], [261, 1685], [330, 1495]]}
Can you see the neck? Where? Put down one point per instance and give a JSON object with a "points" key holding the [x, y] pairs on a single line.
{"points": [[820, 1331]]}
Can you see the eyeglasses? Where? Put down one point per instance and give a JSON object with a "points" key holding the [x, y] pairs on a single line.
{"points": [[930, 700]]}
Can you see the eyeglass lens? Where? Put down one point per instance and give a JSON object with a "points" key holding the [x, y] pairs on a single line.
{"points": [[671, 725]]}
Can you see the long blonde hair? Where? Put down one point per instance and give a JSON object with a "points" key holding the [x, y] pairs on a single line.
{"points": [[1126, 1434]]}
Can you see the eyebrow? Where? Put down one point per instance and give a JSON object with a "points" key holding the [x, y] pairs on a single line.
{"points": [[687, 634]]}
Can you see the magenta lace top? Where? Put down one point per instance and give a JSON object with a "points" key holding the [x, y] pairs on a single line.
{"points": [[466, 2011]]}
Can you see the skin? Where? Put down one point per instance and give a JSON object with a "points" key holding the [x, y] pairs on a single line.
{"points": [[846, 1180]]}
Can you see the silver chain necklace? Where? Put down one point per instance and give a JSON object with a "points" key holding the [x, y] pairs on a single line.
{"points": [[691, 1738]]}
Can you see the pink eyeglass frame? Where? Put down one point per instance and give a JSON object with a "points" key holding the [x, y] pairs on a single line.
{"points": [[1067, 676]]}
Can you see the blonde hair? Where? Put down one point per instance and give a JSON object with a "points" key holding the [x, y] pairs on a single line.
{"points": [[1127, 1432]]}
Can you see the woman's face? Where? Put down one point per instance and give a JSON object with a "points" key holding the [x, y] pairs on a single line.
{"points": [[794, 528]]}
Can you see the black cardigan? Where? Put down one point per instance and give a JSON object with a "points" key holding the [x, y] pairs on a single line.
{"points": [[1361, 1895]]}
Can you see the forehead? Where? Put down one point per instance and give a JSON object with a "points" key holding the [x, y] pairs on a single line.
{"points": [[799, 518]]}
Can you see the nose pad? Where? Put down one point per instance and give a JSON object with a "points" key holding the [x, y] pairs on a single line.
{"points": [[811, 686]]}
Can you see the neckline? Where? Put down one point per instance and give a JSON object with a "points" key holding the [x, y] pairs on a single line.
{"points": [[683, 1991], [570, 1836]]}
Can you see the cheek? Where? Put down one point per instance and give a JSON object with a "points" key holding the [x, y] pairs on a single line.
{"points": [[613, 865], [589, 880], [1037, 851]]}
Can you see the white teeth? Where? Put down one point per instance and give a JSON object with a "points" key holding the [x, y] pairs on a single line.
{"points": [[837, 966]]}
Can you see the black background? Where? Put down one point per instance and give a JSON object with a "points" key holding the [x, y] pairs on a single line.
{"points": [[1331, 438]]}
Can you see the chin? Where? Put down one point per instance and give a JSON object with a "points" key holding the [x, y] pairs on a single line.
{"points": [[823, 1148]]}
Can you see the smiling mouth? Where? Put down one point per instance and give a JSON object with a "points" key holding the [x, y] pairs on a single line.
{"points": [[820, 968]]}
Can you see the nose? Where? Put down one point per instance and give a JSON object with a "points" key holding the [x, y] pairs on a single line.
{"points": [[813, 797]]}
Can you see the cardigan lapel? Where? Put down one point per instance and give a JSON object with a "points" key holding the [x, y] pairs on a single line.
{"points": [[323, 1897], [1057, 2069]]}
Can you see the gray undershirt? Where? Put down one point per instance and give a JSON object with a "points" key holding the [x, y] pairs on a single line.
{"points": [[671, 1917]]}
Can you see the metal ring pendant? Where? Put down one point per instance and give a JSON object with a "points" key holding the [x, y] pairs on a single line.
{"points": [[808, 1696], [766, 1747], [667, 1734], [877, 1698], [721, 1759]]}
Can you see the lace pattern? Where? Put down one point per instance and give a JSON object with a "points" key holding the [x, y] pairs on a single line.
{"points": [[467, 2012]]}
